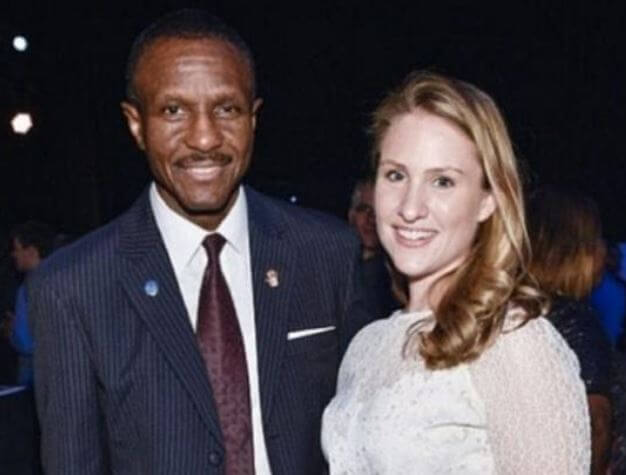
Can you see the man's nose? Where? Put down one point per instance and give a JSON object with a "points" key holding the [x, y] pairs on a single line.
{"points": [[204, 133]]}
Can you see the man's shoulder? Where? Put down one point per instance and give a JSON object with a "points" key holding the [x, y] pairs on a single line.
{"points": [[94, 250], [296, 219]]}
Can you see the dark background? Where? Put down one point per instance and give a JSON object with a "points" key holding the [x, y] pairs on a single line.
{"points": [[557, 69]]}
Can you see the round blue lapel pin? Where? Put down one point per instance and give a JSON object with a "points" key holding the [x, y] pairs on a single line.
{"points": [[151, 288]]}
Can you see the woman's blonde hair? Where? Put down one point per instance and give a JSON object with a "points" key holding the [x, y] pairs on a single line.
{"points": [[472, 309], [568, 249]]}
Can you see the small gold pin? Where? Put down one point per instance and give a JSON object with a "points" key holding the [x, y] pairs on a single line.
{"points": [[271, 278]]}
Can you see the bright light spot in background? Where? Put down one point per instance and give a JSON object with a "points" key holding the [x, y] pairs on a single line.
{"points": [[293, 199], [20, 43], [21, 123]]}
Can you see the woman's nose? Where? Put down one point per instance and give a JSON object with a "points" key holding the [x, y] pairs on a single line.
{"points": [[413, 205]]}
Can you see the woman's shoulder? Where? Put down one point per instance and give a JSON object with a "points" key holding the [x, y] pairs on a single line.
{"points": [[399, 319], [531, 341], [524, 353], [375, 329], [518, 326], [369, 332], [378, 334], [534, 399]]}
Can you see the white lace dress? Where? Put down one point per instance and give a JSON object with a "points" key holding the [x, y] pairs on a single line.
{"points": [[519, 409]]}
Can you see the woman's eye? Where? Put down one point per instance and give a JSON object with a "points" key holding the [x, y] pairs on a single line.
{"points": [[443, 182], [394, 175]]}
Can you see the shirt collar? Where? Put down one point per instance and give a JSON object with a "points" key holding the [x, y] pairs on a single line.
{"points": [[183, 238]]}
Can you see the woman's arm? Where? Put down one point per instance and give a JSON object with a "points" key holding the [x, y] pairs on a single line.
{"points": [[535, 401]]}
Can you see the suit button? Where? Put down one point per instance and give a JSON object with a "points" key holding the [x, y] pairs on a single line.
{"points": [[215, 458]]}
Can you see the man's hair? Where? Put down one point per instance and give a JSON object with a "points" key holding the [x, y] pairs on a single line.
{"points": [[185, 24], [36, 234], [361, 183]]}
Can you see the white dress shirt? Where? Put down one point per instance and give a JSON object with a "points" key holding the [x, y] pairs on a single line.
{"points": [[183, 241]]}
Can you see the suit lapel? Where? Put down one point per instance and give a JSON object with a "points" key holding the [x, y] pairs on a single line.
{"points": [[273, 268], [152, 288]]}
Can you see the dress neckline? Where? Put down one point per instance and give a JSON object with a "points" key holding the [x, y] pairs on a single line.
{"points": [[413, 315]]}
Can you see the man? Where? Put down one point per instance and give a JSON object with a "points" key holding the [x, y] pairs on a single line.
{"points": [[126, 381], [31, 242], [361, 216], [379, 297]]}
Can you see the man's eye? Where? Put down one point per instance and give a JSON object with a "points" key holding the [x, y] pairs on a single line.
{"points": [[363, 208], [228, 110], [172, 109], [443, 182]]}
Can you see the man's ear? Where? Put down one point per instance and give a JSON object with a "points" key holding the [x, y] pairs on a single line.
{"points": [[351, 216], [133, 119], [256, 105]]}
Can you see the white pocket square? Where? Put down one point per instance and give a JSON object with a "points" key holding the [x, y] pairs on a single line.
{"points": [[308, 332]]}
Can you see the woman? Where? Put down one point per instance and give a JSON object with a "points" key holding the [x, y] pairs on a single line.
{"points": [[568, 260], [466, 379]]}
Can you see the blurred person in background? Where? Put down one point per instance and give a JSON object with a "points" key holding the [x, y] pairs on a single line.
{"points": [[361, 216], [380, 299], [608, 297], [568, 261], [8, 286], [621, 247], [31, 242]]}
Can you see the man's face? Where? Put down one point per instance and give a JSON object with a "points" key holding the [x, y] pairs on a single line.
{"points": [[25, 258], [195, 120], [362, 217]]}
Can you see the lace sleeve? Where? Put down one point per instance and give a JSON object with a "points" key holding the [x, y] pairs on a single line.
{"points": [[535, 402]]}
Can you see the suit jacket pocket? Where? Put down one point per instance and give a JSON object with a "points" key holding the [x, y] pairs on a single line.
{"points": [[313, 345], [311, 366]]}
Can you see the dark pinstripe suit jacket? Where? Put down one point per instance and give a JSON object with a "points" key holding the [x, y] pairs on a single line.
{"points": [[121, 386]]}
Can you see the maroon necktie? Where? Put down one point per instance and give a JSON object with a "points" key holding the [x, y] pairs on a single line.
{"points": [[221, 345]]}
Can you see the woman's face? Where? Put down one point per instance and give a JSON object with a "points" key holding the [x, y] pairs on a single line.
{"points": [[429, 197]]}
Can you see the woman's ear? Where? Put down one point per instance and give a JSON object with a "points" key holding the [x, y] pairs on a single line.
{"points": [[487, 207]]}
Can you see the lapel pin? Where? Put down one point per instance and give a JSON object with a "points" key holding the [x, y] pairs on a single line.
{"points": [[271, 278], [151, 288]]}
